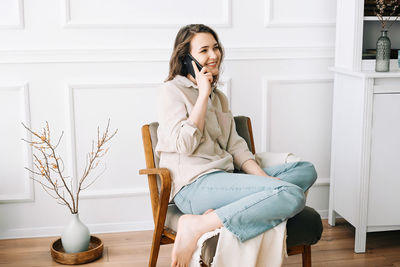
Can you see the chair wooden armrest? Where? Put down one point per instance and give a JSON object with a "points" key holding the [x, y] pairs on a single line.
{"points": [[162, 198], [159, 203], [163, 172]]}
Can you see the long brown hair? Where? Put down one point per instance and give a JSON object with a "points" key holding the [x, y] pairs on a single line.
{"points": [[182, 47]]}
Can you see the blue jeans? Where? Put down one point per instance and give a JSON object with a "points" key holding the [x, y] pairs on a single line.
{"points": [[249, 205]]}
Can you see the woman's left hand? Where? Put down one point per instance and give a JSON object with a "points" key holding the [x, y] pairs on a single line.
{"points": [[251, 167]]}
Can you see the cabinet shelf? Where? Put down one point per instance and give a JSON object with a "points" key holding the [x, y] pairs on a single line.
{"points": [[375, 18]]}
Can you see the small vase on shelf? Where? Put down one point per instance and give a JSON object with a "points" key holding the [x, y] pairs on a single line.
{"points": [[76, 236], [383, 47]]}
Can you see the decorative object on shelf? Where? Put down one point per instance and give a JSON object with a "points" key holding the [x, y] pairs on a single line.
{"points": [[383, 53], [386, 8], [371, 6], [94, 252], [49, 169]]}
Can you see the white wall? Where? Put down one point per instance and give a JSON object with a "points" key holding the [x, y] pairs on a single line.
{"points": [[74, 63]]}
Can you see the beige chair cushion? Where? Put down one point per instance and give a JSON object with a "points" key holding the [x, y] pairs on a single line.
{"points": [[173, 214]]}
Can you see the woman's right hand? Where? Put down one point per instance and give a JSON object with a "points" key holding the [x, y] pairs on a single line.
{"points": [[204, 80]]}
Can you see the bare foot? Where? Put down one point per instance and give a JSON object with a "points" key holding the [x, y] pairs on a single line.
{"points": [[186, 239], [190, 229]]}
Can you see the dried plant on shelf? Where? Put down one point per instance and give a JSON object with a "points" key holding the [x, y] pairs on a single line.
{"points": [[385, 10], [49, 166]]}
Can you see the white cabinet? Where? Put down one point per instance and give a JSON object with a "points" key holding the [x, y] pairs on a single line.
{"points": [[365, 160], [365, 175]]}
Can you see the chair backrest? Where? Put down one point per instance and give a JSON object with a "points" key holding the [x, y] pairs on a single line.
{"points": [[244, 129], [150, 139]]}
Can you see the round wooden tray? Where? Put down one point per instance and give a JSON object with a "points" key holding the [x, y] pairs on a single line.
{"points": [[94, 252]]}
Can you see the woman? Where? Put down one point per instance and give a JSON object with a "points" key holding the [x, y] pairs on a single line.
{"points": [[198, 143]]}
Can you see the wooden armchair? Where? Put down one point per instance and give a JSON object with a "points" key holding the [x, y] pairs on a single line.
{"points": [[303, 230]]}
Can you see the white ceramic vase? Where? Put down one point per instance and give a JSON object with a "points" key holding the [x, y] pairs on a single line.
{"points": [[76, 236]]}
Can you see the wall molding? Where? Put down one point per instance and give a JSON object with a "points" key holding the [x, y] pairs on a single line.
{"points": [[265, 109], [266, 87], [71, 138], [21, 23], [271, 22], [157, 54], [225, 20], [28, 195], [322, 182], [115, 193], [225, 86]]}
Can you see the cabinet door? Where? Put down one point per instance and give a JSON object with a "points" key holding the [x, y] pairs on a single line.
{"points": [[384, 187]]}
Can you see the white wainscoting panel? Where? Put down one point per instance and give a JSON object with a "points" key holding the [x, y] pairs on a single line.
{"points": [[300, 13], [297, 115], [225, 87], [129, 106], [138, 13], [11, 14], [15, 154]]}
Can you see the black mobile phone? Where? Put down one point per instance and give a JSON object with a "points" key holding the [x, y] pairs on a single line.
{"points": [[187, 62]]}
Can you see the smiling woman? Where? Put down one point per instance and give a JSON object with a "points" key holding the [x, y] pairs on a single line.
{"points": [[203, 44], [198, 143]]}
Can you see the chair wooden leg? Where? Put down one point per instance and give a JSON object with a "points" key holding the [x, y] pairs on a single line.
{"points": [[307, 256], [155, 247]]}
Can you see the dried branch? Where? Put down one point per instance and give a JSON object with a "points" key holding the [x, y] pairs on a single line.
{"points": [[388, 7], [94, 155], [92, 182], [50, 167]]}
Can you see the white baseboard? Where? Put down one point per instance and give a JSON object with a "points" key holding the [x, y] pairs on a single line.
{"points": [[94, 229], [121, 227], [323, 214]]}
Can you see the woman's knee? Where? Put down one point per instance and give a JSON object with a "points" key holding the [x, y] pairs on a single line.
{"points": [[309, 171], [297, 200]]}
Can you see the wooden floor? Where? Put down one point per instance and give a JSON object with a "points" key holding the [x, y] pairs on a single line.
{"points": [[132, 249]]}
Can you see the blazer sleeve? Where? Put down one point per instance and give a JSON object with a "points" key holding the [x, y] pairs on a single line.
{"points": [[176, 133]]}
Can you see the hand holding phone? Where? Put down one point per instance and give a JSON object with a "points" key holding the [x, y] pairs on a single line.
{"points": [[204, 79], [187, 62]]}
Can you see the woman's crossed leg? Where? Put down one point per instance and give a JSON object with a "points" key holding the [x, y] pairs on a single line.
{"points": [[247, 205]]}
